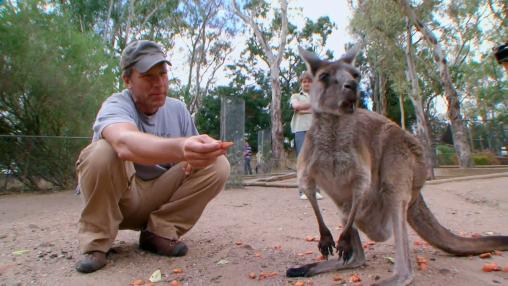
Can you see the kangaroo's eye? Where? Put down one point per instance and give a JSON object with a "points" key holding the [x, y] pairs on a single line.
{"points": [[356, 75], [324, 77]]}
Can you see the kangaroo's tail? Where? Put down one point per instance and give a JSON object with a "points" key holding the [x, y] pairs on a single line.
{"points": [[426, 225]]}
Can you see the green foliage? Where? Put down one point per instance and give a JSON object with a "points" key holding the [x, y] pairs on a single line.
{"points": [[485, 158], [312, 36], [53, 80], [446, 155]]}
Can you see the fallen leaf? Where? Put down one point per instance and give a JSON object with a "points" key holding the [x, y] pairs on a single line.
{"points": [[156, 276], [20, 252], [178, 270], [390, 259]]}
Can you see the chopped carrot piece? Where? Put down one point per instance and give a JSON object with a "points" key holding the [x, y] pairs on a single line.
{"points": [[489, 267], [252, 275], [138, 282], [355, 278], [226, 144], [485, 255]]}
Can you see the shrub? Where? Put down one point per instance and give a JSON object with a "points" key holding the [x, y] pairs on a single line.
{"points": [[485, 158], [446, 155]]}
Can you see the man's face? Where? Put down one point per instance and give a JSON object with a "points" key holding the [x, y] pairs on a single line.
{"points": [[306, 84], [149, 89]]}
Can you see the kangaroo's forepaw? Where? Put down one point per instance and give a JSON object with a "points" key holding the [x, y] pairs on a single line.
{"points": [[326, 245], [344, 247]]}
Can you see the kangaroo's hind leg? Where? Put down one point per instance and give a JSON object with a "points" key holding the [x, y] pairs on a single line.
{"points": [[403, 271], [357, 259]]}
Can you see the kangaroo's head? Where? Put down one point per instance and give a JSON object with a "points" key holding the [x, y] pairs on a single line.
{"points": [[335, 84]]}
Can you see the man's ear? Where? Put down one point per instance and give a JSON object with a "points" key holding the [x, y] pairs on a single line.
{"points": [[126, 81]]}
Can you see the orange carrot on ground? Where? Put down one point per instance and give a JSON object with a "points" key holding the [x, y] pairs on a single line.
{"points": [[252, 275], [489, 267], [355, 278], [138, 282], [485, 255]]}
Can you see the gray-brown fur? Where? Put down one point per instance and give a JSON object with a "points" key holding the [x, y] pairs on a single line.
{"points": [[373, 171]]}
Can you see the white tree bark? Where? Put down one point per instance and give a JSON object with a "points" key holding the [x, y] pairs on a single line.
{"points": [[274, 60], [416, 98]]}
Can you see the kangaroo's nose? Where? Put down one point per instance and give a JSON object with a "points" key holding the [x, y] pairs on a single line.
{"points": [[350, 84]]}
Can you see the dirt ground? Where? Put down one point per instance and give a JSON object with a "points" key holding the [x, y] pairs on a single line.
{"points": [[38, 244]]}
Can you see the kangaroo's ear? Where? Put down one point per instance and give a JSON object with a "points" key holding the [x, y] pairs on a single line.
{"points": [[313, 62], [350, 55]]}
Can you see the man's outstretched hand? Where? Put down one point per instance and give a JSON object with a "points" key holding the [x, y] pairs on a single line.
{"points": [[202, 150]]}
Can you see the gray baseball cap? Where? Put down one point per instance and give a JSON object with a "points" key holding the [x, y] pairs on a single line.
{"points": [[142, 55]]}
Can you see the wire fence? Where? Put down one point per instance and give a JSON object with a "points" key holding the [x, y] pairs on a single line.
{"points": [[40, 162]]}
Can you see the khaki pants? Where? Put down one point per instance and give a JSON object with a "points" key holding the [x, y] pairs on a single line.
{"points": [[115, 198]]}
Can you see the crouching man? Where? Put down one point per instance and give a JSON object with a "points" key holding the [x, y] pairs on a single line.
{"points": [[147, 167]]}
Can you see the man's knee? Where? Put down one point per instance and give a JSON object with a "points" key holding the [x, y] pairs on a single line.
{"points": [[98, 156], [222, 169]]}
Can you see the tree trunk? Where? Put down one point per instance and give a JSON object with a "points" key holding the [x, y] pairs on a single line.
{"points": [[273, 61], [279, 156], [383, 94], [459, 132], [108, 18], [416, 98], [402, 111]]}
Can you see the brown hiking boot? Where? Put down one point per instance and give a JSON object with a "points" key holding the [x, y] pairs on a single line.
{"points": [[169, 247], [91, 261]]}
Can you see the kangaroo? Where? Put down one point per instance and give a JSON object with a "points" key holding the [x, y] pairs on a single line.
{"points": [[373, 171]]}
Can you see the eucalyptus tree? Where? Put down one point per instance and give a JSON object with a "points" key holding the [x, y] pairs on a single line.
{"points": [[313, 35], [392, 64], [254, 14], [53, 78], [207, 33]]}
